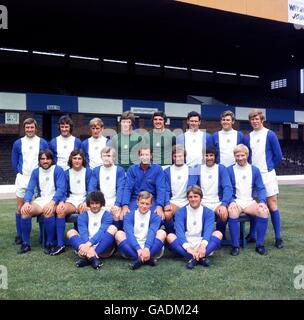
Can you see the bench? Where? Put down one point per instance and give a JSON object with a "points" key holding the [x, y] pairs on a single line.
{"points": [[72, 218], [243, 218]]}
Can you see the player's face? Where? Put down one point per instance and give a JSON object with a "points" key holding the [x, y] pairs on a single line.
{"points": [[44, 162], [77, 162], [194, 123], [126, 125], [226, 123], [241, 158], [144, 205], [65, 129], [95, 206], [210, 159], [158, 123], [145, 156], [96, 131], [256, 123], [178, 158], [107, 159], [30, 130], [194, 200]]}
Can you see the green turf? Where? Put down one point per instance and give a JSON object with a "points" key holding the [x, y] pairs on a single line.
{"points": [[248, 276]]}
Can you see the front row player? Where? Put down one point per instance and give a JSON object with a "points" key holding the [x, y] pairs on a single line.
{"points": [[247, 180], [95, 235], [195, 239], [49, 180], [142, 239]]}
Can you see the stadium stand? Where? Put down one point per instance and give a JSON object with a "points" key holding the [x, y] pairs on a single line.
{"points": [[7, 174], [293, 158]]}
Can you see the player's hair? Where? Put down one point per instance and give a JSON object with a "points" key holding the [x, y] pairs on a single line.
{"points": [[96, 121], [241, 148], [66, 120], [144, 146], [228, 113], [256, 112], [48, 153], [210, 149], [96, 196], [159, 114], [194, 114], [196, 190], [128, 115], [30, 121], [145, 195], [107, 150], [74, 153], [178, 148]]}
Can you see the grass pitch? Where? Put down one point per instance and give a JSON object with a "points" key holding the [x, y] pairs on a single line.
{"points": [[248, 276]]}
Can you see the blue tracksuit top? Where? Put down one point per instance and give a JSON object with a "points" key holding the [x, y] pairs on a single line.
{"points": [[153, 181]]}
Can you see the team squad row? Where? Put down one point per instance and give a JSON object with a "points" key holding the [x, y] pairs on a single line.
{"points": [[182, 197]]}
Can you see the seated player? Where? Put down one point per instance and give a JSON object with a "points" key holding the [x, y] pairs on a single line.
{"points": [[110, 180], [49, 180], [141, 240], [195, 237], [77, 181], [247, 180], [178, 180], [95, 236], [216, 186], [145, 176]]}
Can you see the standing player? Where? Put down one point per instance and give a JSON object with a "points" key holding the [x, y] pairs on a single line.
{"points": [[160, 139], [194, 140], [93, 145], [126, 143], [266, 154], [49, 180], [227, 139], [216, 187], [77, 182], [24, 161], [65, 143], [195, 239], [141, 239], [110, 180], [246, 181], [95, 235]]}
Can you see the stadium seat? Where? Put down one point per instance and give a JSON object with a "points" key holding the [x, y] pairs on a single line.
{"points": [[72, 218]]}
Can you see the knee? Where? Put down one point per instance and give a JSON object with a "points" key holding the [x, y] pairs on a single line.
{"points": [[71, 233], [217, 234], [112, 229], [168, 214], [171, 237], [273, 205], [60, 213], [233, 212], [263, 212], [120, 236], [161, 235]]}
